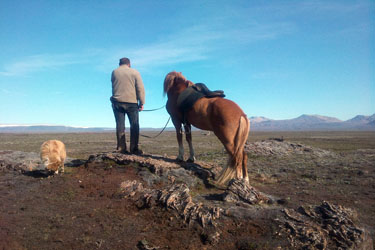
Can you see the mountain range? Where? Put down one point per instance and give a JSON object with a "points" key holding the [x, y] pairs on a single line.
{"points": [[312, 123], [50, 129], [257, 123]]}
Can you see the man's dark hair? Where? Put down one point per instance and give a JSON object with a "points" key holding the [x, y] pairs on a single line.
{"points": [[124, 60]]}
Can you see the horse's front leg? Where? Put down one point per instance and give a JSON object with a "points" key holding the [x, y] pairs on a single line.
{"points": [[190, 142], [178, 125]]}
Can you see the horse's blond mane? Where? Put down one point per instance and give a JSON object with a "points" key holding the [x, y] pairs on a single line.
{"points": [[170, 79], [190, 83]]}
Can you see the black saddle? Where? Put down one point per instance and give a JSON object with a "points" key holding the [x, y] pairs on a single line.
{"points": [[201, 87], [193, 93]]}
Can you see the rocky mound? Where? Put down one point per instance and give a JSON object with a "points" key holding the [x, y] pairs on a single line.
{"points": [[28, 162], [279, 147], [19, 161], [325, 226], [221, 214]]}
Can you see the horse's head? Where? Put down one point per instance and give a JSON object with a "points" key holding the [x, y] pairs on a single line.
{"points": [[175, 79]]}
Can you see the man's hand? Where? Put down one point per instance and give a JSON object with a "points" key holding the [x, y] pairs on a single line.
{"points": [[140, 108]]}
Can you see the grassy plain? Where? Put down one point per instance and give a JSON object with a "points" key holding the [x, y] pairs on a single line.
{"points": [[81, 145]]}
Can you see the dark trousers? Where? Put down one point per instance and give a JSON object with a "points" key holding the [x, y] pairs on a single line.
{"points": [[119, 110]]}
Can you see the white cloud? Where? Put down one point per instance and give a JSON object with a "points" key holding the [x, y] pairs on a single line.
{"points": [[191, 44], [36, 63], [12, 93], [198, 42], [235, 26]]}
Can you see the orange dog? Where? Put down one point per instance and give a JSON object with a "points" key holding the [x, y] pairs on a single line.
{"points": [[53, 155]]}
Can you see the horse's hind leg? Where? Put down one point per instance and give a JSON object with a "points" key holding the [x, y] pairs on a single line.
{"points": [[190, 142], [177, 125]]}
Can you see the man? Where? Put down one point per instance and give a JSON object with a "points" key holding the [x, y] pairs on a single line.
{"points": [[128, 97]]}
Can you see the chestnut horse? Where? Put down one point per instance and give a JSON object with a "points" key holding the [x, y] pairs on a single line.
{"points": [[222, 116]]}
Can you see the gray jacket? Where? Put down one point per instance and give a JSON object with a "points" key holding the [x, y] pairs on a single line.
{"points": [[127, 85]]}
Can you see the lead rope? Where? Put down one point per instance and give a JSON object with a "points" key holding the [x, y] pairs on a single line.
{"points": [[160, 131], [148, 110]]}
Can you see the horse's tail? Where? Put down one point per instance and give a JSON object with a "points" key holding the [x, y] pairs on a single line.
{"points": [[236, 161], [241, 138]]}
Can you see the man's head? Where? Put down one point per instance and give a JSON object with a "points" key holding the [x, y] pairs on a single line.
{"points": [[125, 61]]}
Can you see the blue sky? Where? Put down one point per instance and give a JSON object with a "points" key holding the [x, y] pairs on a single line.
{"points": [[277, 59]]}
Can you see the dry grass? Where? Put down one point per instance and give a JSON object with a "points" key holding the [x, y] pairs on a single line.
{"points": [[81, 145]]}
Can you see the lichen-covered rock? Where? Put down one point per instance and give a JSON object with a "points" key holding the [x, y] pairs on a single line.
{"points": [[241, 191], [19, 161], [27, 161], [161, 168], [130, 188], [157, 166], [145, 245], [177, 198], [323, 227], [281, 148]]}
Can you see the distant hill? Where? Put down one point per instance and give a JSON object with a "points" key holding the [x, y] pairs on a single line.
{"points": [[362, 119], [63, 129], [49, 129], [313, 122], [257, 123], [315, 119]]}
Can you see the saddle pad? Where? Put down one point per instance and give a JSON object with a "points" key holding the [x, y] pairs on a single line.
{"points": [[187, 98]]}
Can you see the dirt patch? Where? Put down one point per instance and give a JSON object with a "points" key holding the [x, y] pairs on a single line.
{"points": [[85, 208], [82, 209]]}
